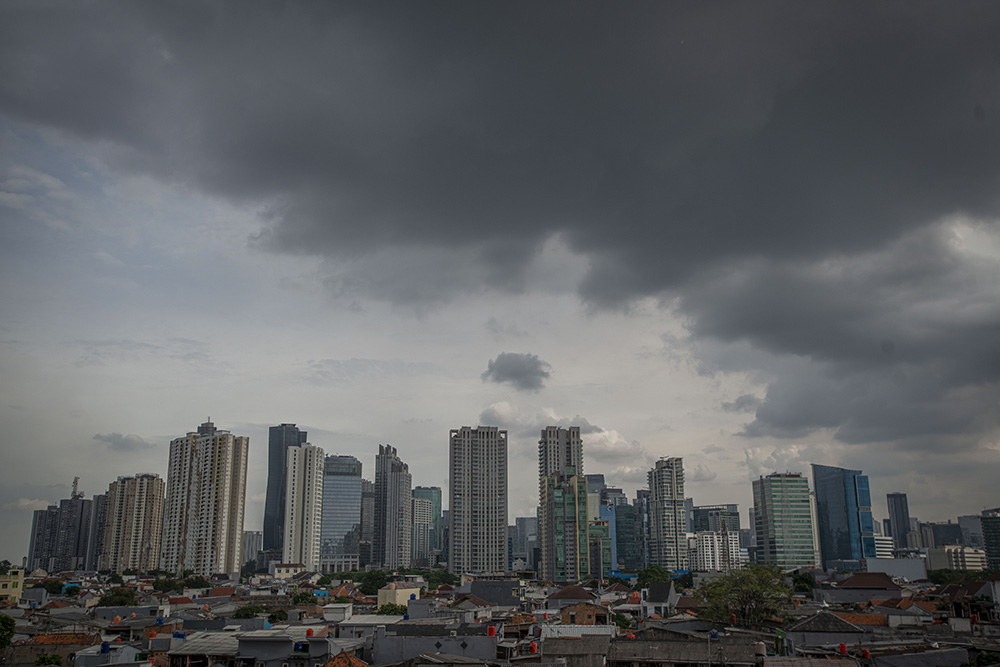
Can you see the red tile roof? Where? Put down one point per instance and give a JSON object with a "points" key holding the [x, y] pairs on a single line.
{"points": [[66, 638], [862, 619]]}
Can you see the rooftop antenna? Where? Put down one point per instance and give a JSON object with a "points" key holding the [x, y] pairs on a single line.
{"points": [[76, 484]]}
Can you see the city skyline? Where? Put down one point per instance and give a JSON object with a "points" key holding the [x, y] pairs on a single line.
{"points": [[714, 233]]}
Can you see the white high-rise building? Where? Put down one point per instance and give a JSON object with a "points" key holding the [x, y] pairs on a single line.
{"points": [[206, 493], [477, 500], [133, 524], [559, 449], [393, 510], [420, 541], [303, 505], [716, 551], [667, 518]]}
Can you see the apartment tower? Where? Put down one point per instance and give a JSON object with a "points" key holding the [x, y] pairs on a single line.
{"points": [[393, 508], [279, 439], [667, 518], [134, 521], [477, 460], [206, 493], [303, 505]]}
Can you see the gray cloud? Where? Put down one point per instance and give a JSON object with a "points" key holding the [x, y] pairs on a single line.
{"points": [[340, 371], [743, 403], [124, 443], [526, 372], [701, 473]]}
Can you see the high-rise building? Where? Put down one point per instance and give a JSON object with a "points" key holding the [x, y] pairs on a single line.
{"points": [[62, 535], [420, 540], [562, 486], [433, 494], [641, 505], [366, 546], [972, 530], [716, 551], [253, 544], [477, 499], [525, 539], [990, 520], [564, 528], [42, 546], [713, 517], [206, 494], [843, 508], [303, 522], [785, 521], [341, 537], [134, 522], [667, 536], [393, 522], [899, 518], [279, 439], [98, 522]]}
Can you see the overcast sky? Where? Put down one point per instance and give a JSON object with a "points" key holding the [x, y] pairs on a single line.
{"points": [[755, 235]]}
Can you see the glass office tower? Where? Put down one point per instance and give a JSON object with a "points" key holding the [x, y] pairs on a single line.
{"points": [[844, 512], [340, 536]]}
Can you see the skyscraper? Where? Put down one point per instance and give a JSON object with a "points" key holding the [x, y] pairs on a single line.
{"points": [[393, 507], [477, 499], [42, 545], [712, 518], [134, 521], [279, 439], [62, 535], [340, 548], [667, 538], [562, 524], [990, 520], [433, 494], [784, 521], [253, 544], [366, 547], [420, 540], [206, 492], [844, 512], [899, 518], [303, 505]]}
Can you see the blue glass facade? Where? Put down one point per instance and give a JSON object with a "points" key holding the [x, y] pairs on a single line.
{"points": [[844, 514], [340, 535], [279, 439]]}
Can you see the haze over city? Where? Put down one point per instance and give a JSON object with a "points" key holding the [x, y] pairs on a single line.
{"points": [[755, 236]]}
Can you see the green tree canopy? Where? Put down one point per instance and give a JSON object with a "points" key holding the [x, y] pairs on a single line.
{"points": [[389, 609], [303, 598], [53, 586], [249, 611], [196, 581], [372, 581], [7, 626], [325, 580], [749, 595], [277, 616], [438, 578], [168, 586], [50, 659], [117, 597], [648, 575]]}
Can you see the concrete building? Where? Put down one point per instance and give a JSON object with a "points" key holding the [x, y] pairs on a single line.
{"points": [[785, 520], [279, 439], [433, 494], [341, 533], [565, 549], [712, 517], [63, 536], [11, 585], [477, 505], [954, 557], [899, 518], [716, 551], [393, 521], [420, 541], [303, 522], [206, 495], [134, 521], [667, 537], [990, 520], [972, 530], [843, 508], [559, 449], [366, 546], [884, 546], [253, 544]]}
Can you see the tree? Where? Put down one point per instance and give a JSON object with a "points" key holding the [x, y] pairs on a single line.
{"points": [[7, 626], [619, 580], [117, 597], [72, 591], [277, 616], [621, 620], [249, 611], [372, 581], [168, 586], [325, 580], [803, 582], [390, 609], [303, 598], [686, 580], [50, 659], [744, 597], [5, 566], [651, 574], [115, 578], [438, 578], [53, 586], [196, 581]]}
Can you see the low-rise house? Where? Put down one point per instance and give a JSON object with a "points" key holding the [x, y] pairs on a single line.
{"points": [[861, 587], [289, 646], [584, 651], [107, 653], [660, 599], [822, 629], [285, 570], [62, 644], [398, 592], [408, 639], [11, 585], [624, 652], [568, 596], [584, 613], [218, 649], [362, 626]]}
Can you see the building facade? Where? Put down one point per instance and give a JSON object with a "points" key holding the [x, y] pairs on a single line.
{"points": [[477, 495], [420, 540], [843, 508], [253, 544], [564, 527], [279, 439], [990, 522], [303, 522], [206, 495], [340, 538], [433, 494], [393, 521], [715, 551], [713, 517], [899, 518], [785, 521], [667, 535], [134, 521]]}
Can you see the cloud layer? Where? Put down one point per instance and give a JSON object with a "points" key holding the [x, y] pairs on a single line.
{"points": [[525, 372]]}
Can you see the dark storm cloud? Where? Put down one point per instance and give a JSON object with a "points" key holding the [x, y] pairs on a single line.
{"points": [[759, 161], [525, 372], [743, 403], [123, 443]]}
